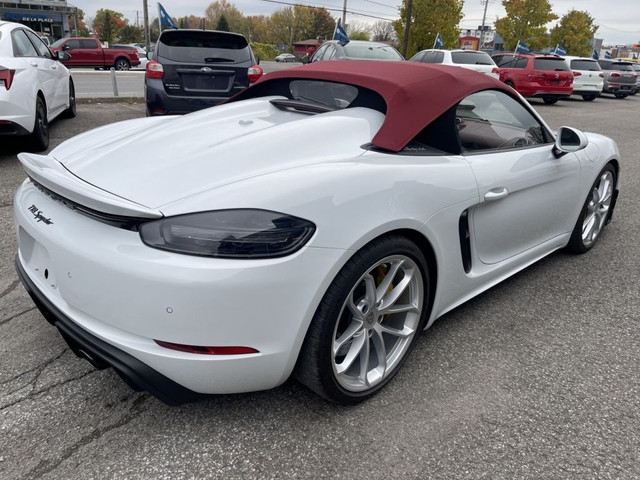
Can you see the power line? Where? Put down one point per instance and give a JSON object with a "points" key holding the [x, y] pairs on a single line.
{"points": [[352, 12]]}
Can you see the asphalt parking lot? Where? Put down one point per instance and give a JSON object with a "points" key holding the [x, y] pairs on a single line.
{"points": [[538, 378]]}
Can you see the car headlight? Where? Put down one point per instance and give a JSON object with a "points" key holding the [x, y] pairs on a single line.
{"points": [[242, 233]]}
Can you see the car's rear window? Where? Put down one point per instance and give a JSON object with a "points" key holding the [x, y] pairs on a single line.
{"points": [[550, 64], [621, 67], [371, 52], [206, 47], [585, 65], [471, 58]]}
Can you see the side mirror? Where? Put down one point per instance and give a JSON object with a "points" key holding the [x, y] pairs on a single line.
{"points": [[257, 60], [305, 59], [66, 46], [62, 56], [568, 140], [149, 55]]}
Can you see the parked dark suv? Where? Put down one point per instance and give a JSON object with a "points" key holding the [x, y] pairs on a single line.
{"points": [[619, 77], [195, 69], [539, 76]]}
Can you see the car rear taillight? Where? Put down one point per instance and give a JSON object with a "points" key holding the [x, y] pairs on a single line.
{"points": [[6, 77], [207, 350], [254, 73], [495, 70], [615, 75], [154, 70], [576, 74], [601, 75]]}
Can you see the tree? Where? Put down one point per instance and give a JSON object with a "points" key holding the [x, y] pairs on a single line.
{"points": [[192, 21], [382, 31], [222, 25], [428, 18], [323, 23], [525, 21], [77, 24], [358, 31], [131, 34], [258, 28], [574, 32], [107, 24], [233, 16]]}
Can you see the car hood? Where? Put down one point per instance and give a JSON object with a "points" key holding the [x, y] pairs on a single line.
{"points": [[158, 161]]}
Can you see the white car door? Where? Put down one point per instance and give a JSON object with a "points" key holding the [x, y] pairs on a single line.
{"points": [[527, 195], [52, 77]]}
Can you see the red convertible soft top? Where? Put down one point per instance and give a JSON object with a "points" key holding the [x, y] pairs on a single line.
{"points": [[415, 93]]}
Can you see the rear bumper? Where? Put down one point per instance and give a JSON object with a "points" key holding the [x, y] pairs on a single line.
{"points": [[161, 103], [101, 354], [619, 88]]}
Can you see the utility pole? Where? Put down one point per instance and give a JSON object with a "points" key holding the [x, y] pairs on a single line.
{"points": [[407, 25], [344, 15], [147, 40], [484, 17]]}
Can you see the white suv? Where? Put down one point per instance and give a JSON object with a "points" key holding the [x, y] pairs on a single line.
{"points": [[588, 78], [470, 59]]}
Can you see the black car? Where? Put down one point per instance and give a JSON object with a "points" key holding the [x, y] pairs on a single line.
{"points": [[195, 69]]}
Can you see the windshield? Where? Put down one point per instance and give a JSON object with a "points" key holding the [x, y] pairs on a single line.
{"points": [[371, 51]]}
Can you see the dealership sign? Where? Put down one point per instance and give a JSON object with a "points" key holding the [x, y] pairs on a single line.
{"points": [[27, 17]]}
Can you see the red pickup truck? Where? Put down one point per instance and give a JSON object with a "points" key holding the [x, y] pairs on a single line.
{"points": [[88, 52]]}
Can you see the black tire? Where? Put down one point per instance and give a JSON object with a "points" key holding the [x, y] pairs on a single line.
{"points": [[350, 322], [596, 212], [620, 95], [71, 111], [549, 100], [39, 138], [589, 98], [122, 64]]}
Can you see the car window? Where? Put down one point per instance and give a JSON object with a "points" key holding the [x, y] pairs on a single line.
{"points": [[418, 57], [330, 94], [492, 120], [87, 44], [553, 64], [319, 53], [371, 51], [433, 57], [42, 49], [22, 47], [203, 47], [471, 58], [621, 67], [329, 53], [505, 61], [580, 64]]}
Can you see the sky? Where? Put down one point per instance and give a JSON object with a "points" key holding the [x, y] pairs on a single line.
{"points": [[618, 21]]}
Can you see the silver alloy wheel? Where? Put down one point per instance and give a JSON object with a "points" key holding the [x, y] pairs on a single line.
{"points": [[377, 323], [597, 208]]}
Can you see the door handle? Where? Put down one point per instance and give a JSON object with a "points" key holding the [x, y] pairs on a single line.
{"points": [[496, 194]]}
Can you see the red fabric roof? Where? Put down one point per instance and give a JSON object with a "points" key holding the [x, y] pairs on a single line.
{"points": [[415, 93]]}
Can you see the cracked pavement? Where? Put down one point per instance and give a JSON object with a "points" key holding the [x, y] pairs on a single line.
{"points": [[537, 378]]}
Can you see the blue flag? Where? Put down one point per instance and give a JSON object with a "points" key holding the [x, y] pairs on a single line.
{"points": [[439, 43], [560, 50], [165, 19], [607, 55], [522, 47], [340, 35], [595, 55]]}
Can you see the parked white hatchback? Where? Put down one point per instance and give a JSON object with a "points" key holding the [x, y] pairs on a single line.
{"points": [[476, 60], [35, 87], [588, 78]]}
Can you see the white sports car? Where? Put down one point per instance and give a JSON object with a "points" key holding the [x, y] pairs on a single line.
{"points": [[35, 87], [209, 257]]}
